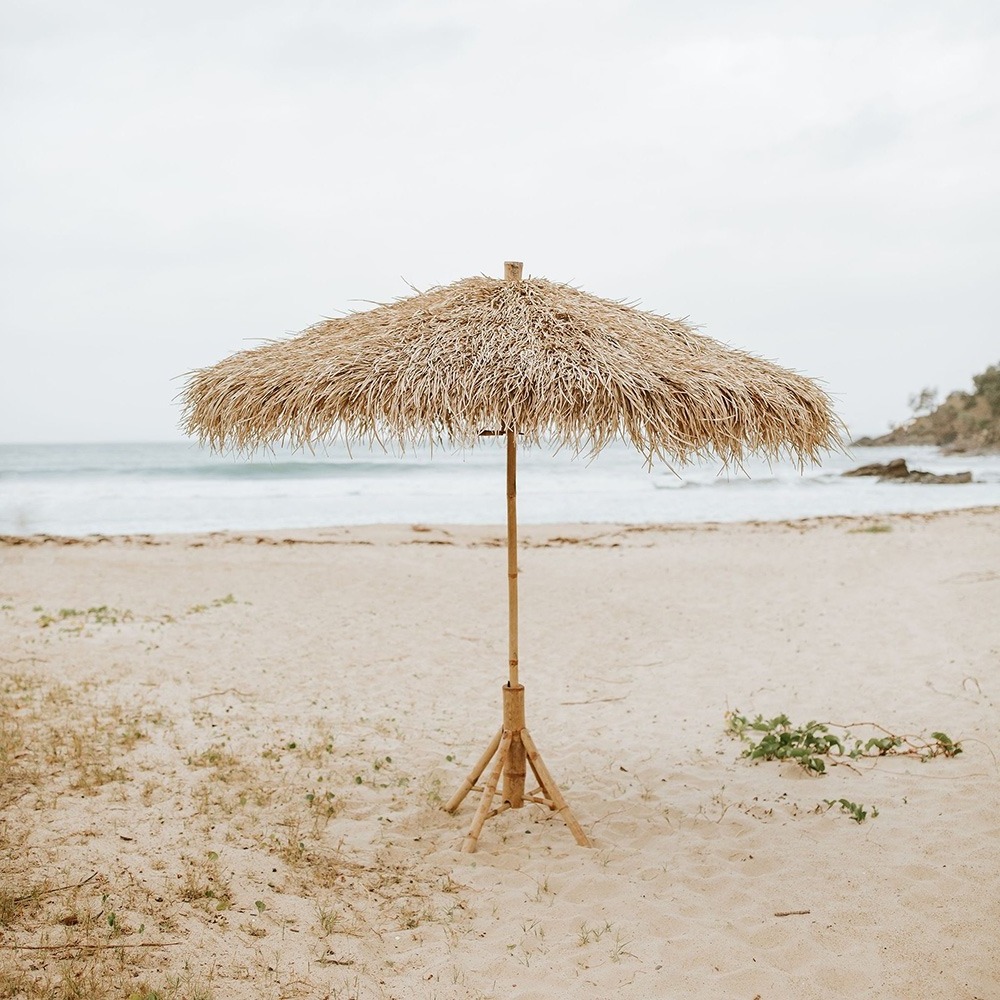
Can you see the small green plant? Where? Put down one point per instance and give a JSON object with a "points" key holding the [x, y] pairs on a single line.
{"points": [[328, 919], [76, 619], [619, 948], [944, 746], [218, 602], [323, 805], [857, 812], [205, 884], [779, 739]]}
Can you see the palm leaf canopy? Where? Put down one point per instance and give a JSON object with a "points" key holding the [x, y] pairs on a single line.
{"points": [[546, 360]]}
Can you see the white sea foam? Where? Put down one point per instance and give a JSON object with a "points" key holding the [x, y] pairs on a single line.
{"points": [[178, 487]]}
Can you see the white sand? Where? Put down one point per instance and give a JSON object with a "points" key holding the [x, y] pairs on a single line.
{"points": [[367, 664]]}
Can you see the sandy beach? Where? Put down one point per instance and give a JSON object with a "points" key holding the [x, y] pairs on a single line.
{"points": [[223, 761]]}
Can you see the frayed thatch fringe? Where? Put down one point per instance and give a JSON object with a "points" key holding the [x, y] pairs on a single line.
{"points": [[544, 359]]}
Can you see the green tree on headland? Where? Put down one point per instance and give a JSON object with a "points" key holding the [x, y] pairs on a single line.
{"points": [[988, 388], [925, 401], [963, 422]]}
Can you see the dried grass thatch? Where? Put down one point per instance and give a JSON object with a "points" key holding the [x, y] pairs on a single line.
{"points": [[544, 359]]}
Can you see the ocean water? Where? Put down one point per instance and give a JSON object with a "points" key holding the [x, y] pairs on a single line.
{"points": [[179, 487]]}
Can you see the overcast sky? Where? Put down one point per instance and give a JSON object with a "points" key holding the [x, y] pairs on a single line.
{"points": [[818, 183]]}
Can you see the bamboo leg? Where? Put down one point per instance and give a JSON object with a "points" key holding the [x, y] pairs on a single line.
{"points": [[551, 790], [472, 837], [475, 774], [531, 764]]}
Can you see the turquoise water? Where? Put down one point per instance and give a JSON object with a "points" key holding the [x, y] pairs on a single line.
{"points": [[179, 487]]}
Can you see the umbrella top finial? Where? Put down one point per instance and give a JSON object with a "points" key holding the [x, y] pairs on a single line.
{"points": [[512, 270]]}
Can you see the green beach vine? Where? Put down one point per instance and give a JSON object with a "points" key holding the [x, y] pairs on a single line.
{"points": [[812, 745]]}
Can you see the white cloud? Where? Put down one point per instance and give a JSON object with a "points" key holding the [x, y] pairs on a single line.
{"points": [[817, 184]]}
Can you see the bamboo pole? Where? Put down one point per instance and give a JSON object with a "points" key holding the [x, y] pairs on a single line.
{"points": [[512, 272], [512, 652]]}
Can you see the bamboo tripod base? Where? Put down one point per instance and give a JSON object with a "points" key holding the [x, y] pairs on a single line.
{"points": [[513, 748]]}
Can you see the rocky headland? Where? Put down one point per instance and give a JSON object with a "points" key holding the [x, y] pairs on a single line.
{"points": [[964, 422]]}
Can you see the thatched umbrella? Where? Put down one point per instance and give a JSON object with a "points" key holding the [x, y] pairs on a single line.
{"points": [[523, 358]]}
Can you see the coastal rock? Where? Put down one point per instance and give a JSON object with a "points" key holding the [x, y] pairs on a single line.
{"points": [[897, 471], [929, 477]]}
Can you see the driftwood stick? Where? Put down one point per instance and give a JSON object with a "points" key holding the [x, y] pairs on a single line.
{"points": [[593, 701], [86, 946], [215, 694], [50, 892]]}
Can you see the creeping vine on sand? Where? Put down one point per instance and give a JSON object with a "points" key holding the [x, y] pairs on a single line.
{"points": [[811, 745], [808, 745]]}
